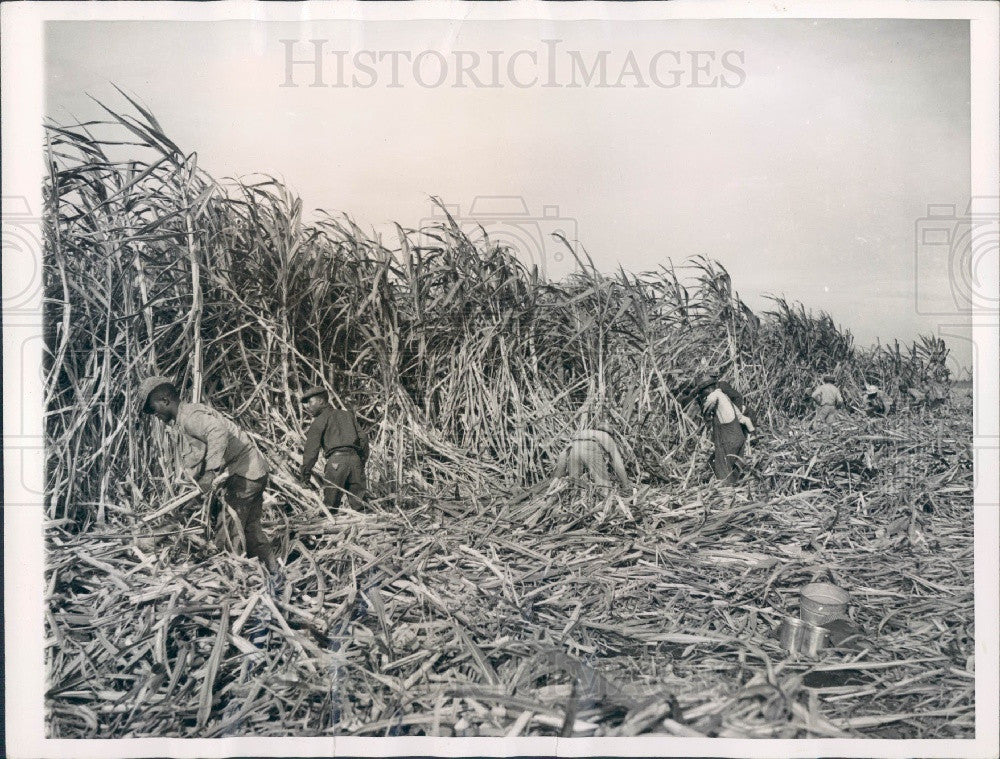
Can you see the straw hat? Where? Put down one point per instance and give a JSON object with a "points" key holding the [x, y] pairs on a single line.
{"points": [[146, 388]]}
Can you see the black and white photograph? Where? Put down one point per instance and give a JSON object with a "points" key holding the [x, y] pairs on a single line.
{"points": [[500, 379]]}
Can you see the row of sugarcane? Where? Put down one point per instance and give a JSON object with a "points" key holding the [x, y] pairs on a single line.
{"points": [[454, 354]]}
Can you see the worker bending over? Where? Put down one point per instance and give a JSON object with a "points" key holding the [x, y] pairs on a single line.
{"points": [[591, 452], [878, 401], [213, 447]]}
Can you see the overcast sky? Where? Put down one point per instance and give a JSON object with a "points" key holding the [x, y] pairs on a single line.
{"points": [[802, 162]]}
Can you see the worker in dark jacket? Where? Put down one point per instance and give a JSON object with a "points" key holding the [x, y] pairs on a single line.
{"points": [[336, 432]]}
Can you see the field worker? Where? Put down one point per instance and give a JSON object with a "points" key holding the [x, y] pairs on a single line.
{"points": [[213, 448], [828, 399], [336, 432], [917, 397], [937, 393], [723, 405], [590, 452], [930, 395], [878, 402]]}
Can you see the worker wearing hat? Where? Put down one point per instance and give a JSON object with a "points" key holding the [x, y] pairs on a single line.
{"points": [[215, 451], [723, 405], [879, 403], [336, 433], [828, 398]]}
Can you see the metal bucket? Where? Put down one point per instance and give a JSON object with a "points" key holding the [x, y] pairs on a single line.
{"points": [[821, 602]]}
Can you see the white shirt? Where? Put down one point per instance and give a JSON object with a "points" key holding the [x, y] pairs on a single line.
{"points": [[725, 412]]}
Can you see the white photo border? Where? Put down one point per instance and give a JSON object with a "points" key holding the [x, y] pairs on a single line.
{"points": [[22, 139]]}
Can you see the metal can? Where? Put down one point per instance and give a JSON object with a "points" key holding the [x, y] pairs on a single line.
{"points": [[814, 639], [820, 602], [790, 634]]}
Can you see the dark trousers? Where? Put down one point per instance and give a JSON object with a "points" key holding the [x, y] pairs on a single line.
{"points": [[247, 499], [729, 440], [343, 471]]}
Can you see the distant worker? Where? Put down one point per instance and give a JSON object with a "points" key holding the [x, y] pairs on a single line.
{"points": [[828, 398], [932, 394], [877, 401], [937, 393], [917, 398], [591, 452], [215, 451], [336, 432], [723, 405]]}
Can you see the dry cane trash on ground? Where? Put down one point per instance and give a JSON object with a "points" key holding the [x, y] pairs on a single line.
{"points": [[469, 596], [541, 618]]}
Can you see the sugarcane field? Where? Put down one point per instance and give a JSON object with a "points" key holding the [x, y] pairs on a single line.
{"points": [[305, 480]]}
